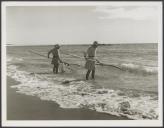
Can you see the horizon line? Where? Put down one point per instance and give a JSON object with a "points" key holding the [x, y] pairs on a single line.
{"points": [[9, 44]]}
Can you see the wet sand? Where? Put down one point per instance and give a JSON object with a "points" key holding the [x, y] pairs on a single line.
{"points": [[23, 107]]}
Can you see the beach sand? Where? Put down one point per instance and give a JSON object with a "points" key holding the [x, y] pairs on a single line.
{"points": [[23, 107]]}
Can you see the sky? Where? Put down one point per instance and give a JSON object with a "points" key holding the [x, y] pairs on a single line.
{"points": [[46, 25]]}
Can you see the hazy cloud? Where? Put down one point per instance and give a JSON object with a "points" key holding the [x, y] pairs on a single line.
{"points": [[135, 13]]}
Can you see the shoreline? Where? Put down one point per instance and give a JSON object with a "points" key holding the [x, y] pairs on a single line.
{"points": [[23, 107]]}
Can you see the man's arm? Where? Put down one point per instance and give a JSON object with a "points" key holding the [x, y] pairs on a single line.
{"points": [[49, 53], [86, 54], [96, 56], [59, 56]]}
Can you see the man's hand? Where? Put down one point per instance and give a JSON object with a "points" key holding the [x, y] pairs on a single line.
{"points": [[97, 61], [85, 57], [61, 61], [66, 63]]}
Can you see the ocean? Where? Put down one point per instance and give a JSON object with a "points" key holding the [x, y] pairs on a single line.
{"points": [[131, 90]]}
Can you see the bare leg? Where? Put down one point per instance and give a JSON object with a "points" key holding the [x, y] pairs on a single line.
{"points": [[57, 66], [54, 69], [87, 75], [93, 74]]}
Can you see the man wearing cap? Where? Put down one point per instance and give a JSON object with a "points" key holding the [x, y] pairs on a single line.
{"points": [[56, 58], [90, 57]]}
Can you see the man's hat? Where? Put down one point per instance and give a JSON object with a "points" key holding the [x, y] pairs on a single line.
{"points": [[57, 46], [95, 43]]}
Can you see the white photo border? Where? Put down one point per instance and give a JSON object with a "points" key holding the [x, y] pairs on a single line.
{"points": [[52, 123]]}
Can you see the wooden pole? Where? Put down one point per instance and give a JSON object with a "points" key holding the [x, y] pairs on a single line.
{"points": [[51, 58]]}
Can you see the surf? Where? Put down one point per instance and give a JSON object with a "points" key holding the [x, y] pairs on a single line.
{"points": [[82, 94], [136, 68]]}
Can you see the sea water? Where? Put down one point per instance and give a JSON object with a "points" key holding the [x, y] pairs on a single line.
{"points": [[131, 91]]}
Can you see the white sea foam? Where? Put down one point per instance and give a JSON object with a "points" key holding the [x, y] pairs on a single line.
{"points": [[10, 59], [81, 94], [138, 68]]}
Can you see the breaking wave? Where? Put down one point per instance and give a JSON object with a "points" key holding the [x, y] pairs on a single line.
{"points": [[82, 94], [139, 68], [15, 59]]}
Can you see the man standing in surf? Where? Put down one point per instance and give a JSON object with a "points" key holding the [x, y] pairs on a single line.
{"points": [[90, 57], [56, 58]]}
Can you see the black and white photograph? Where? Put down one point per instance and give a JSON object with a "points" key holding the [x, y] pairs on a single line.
{"points": [[82, 63]]}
